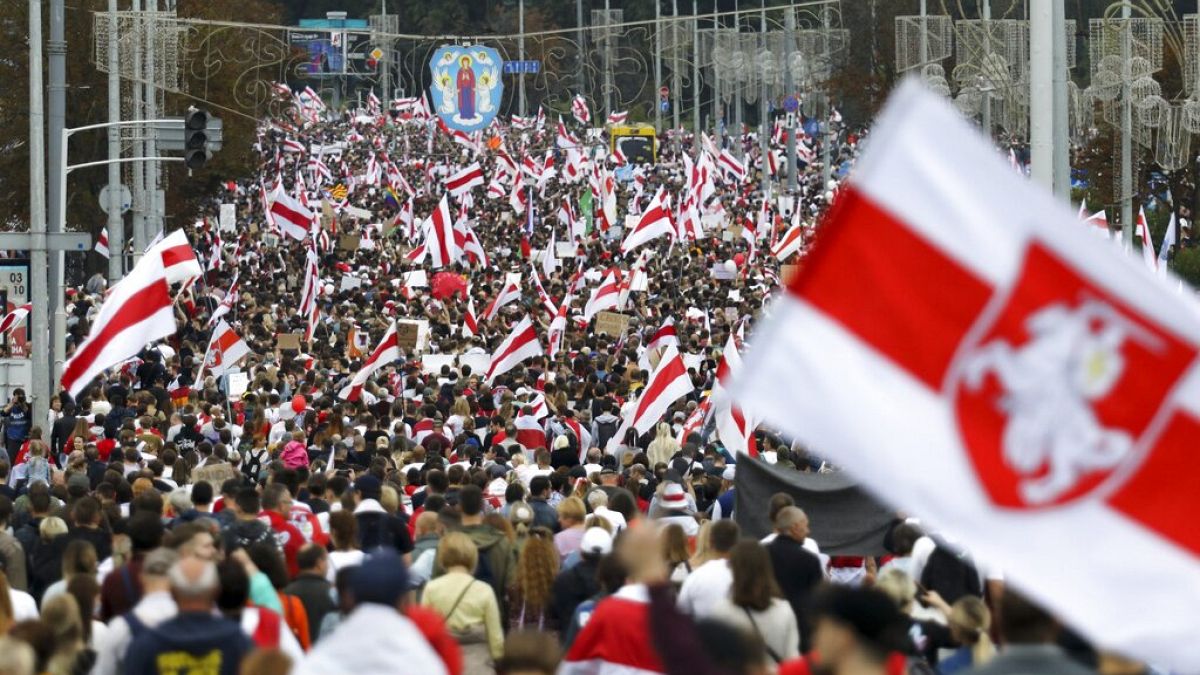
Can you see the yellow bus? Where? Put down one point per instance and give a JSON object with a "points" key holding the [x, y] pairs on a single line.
{"points": [[637, 142]]}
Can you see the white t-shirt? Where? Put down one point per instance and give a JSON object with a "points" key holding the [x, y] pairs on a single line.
{"points": [[706, 585], [23, 605]]}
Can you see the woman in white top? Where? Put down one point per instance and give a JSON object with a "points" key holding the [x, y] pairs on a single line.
{"points": [[754, 603], [343, 530]]}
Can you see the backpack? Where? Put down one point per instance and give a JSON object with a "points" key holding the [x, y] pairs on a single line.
{"points": [[951, 575], [375, 532], [604, 432], [253, 463], [483, 569]]}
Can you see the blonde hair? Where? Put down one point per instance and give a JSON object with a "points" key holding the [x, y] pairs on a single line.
{"points": [[572, 509], [52, 527], [898, 586], [969, 622], [389, 499], [703, 550], [457, 550], [461, 407]]}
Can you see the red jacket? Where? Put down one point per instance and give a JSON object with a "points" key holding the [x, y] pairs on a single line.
{"points": [[289, 538]]}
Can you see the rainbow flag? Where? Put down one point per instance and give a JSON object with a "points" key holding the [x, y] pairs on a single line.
{"points": [[390, 198]]}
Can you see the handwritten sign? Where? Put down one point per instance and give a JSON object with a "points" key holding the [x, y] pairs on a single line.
{"points": [[611, 323], [215, 474], [289, 340]]}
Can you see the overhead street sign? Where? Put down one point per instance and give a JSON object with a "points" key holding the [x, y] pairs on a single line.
{"points": [[522, 67], [55, 241]]}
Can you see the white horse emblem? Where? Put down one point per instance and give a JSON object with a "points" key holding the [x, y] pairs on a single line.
{"points": [[1073, 358]]}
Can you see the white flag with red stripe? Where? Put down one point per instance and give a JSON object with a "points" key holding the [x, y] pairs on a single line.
{"points": [[439, 237], [655, 222], [789, 243], [510, 293], [225, 349], [558, 328], [15, 318], [1012, 381], [138, 310], [521, 344], [579, 108], [733, 426], [664, 336], [1142, 233], [387, 351], [731, 167], [102, 243], [618, 117], [605, 296], [470, 325], [289, 215], [178, 259], [462, 181], [668, 383]]}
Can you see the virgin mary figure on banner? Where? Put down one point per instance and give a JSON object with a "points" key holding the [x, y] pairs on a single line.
{"points": [[466, 86]]}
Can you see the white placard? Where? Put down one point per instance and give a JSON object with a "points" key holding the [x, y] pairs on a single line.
{"points": [[238, 383], [228, 218], [350, 282], [712, 221], [735, 295], [640, 283], [721, 274], [631, 222], [355, 212], [692, 360], [565, 249], [478, 362], [432, 363], [512, 277], [416, 279]]}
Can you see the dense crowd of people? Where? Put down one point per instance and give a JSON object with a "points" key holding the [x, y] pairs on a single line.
{"points": [[167, 520]]}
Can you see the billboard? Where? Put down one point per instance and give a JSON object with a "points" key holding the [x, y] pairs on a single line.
{"points": [[333, 47]]}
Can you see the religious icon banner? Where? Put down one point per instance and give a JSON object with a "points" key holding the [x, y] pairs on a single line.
{"points": [[466, 86]]}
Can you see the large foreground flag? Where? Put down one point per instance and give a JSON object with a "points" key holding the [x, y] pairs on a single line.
{"points": [[137, 310], [963, 348], [522, 343]]}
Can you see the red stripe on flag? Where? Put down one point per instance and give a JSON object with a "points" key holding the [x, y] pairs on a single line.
{"points": [[1161, 494], [177, 255], [891, 288], [673, 371], [288, 214], [140, 306], [525, 337]]}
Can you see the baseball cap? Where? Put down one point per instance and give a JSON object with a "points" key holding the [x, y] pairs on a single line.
{"points": [[596, 541]]}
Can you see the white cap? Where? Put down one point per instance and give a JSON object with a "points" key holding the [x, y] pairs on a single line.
{"points": [[596, 541]]}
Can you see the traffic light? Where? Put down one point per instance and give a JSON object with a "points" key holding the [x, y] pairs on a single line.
{"points": [[195, 138]]}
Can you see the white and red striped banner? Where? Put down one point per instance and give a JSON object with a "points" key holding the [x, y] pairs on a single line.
{"points": [[521, 344]]}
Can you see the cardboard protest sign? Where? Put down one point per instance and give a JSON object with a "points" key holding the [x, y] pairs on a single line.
{"points": [[611, 323]]}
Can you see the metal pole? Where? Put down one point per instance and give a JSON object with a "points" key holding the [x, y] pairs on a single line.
{"points": [[764, 129], [387, 76], [607, 59], [38, 291], [138, 145], [924, 37], [716, 84], [986, 105], [695, 81], [789, 35], [521, 56], [1062, 132], [1126, 195], [1041, 93], [153, 222], [658, 66], [826, 139], [675, 67], [116, 222], [580, 36], [56, 107], [738, 102]]}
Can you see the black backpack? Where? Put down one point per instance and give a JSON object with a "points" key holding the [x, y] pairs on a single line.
{"points": [[604, 432], [952, 575]]}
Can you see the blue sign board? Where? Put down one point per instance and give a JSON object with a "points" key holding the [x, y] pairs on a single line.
{"points": [[522, 67], [466, 86], [791, 104], [664, 105]]}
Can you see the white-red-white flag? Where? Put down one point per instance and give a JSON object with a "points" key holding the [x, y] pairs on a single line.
{"points": [[668, 383], [137, 310], [558, 328], [605, 296], [655, 222], [15, 318], [439, 237], [461, 182], [225, 349], [178, 259], [579, 108], [101, 246], [618, 117], [289, 215], [664, 336], [387, 351], [521, 344], [1142, 233], [789, 243], [510, 293], [733, 426], [731, 167], [470, 325], [1010, 380]]}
